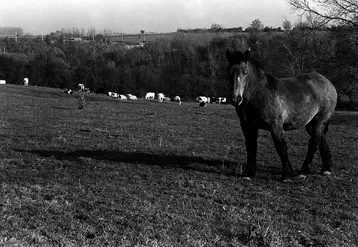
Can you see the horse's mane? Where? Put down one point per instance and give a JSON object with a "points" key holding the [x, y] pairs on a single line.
{"points": [[257, 67], [259, 70]]}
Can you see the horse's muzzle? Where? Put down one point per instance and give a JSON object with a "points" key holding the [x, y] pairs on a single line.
{"points": [[236, 101]]}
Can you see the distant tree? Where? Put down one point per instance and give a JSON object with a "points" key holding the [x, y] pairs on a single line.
{"points": [[11, 31], [341, 11], [302, 25], [99, 38], [286, 24], [256, 25], [91, 32], [76, 32], [106, 32], [268, 29], [142, 32], [216, 26]]}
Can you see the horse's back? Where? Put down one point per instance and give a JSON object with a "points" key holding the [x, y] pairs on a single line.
{"points": [[308, 88], [303, 97]]}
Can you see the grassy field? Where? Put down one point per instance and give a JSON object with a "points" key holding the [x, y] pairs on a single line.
{"points": [[140, 173], [196, 38]]}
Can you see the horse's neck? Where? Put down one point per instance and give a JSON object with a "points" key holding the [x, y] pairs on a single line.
{"points": [[257, 82]]}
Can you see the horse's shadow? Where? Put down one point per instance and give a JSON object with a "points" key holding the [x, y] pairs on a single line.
{"points": [[162, 160], [194, 163]]}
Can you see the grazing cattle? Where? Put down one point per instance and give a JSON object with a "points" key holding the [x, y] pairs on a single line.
{"points": [[2, 82], [150, 95], [26, 81], [131, 97], [112, 94], [203, 104], [177, 100], [81, 87], [263, 101], [202, 99], [160, 97], [121, 96], [221, 100], [68, 91]]}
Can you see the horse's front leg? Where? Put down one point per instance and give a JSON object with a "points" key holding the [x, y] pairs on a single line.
{"points": [[278, 138], [250, 133]]}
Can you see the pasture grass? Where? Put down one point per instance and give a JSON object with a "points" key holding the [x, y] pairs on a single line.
{"points": [[143, 173]]}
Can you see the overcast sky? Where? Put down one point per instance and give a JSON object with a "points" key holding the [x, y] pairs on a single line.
{"points": [[131, 16]]}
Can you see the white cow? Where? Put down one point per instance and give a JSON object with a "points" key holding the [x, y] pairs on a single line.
{"points": [[112, 94], [221, 100], [150, 95], [202, 99], [26, 81], [177, 100], [131, 97], [121, 96], [68, 91], [81, 87], [2, 82], [160, 97]]}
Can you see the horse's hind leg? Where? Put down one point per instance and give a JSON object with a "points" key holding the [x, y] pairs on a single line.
{"points": [[278, 138], [316, 131], [325, 152]]}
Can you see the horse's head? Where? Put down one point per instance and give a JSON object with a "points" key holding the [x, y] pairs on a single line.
{"points": [[238, 72]]}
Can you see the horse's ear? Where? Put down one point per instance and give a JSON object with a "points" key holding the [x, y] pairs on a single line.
{"points": [[247, 54], [228, 55]]}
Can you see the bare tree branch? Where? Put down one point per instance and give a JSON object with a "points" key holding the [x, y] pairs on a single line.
{"points": [[341, 11]]}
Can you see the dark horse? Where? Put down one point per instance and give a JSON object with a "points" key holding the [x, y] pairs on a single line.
{"points": [[265, 102]]}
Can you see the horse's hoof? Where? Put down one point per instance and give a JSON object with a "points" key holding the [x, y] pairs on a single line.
{"points": [[286, 180], [247, 175], [326, 173]]}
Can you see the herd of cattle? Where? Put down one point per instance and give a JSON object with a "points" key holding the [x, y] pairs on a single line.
{"points": [[25, 81], [203, 100], [81, 88], [149, 96], [217, 100], [122, 96]]}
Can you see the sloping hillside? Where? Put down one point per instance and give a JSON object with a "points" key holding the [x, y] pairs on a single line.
{"points": [[143, 173]]}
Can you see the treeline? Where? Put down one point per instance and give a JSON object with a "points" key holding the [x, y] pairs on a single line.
{"points": [[187, 64], [11, 31], [223, 30]]}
